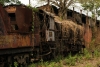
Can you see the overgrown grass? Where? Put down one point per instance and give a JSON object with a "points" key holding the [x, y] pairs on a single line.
{"points": [[87, 54], [69, 60], [96, 53]]}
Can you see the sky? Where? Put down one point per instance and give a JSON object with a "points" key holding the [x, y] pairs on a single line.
{"points": [[34, 3], [26, 2]]}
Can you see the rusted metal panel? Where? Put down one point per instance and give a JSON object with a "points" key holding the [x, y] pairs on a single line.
{"points": [[16, 41], [25, 16], [10, 9], [4, 18], [2, 27], [36, 30], [87, 35], [20, 18], [37, 39]]}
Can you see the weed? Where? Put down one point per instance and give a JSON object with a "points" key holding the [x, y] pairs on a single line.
{"points": [[71, 60], [79, 58], [32, 65], [58, 58], [96, 53], [88, 65], [15, 64], [87, 54], [52, 64]]}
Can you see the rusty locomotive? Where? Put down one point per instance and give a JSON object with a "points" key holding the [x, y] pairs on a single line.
{"points": [[22, 43]]}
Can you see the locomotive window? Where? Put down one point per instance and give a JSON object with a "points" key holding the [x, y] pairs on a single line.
{"points": [[97, 23], [84, 19], [14, 27], [12, 16]]}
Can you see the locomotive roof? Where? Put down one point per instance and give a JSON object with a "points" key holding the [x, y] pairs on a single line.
{"points": [[77, 8]]}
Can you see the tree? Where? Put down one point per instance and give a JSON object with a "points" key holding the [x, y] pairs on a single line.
{"points": [[92, 6], [10, 2], [63, 6]]}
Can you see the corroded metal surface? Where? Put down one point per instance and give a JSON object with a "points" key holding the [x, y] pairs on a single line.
{"points": [[20, 18], [23, 19], [4, 21], [87, 35], [15, 41]]}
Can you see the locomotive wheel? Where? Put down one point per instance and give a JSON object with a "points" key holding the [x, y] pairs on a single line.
{"points": [[27, 62], [21, 60]]}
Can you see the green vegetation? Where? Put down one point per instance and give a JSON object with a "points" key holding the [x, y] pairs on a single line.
{"points": [[71, 60], [10, 2], [88, 65], [34, 10]]}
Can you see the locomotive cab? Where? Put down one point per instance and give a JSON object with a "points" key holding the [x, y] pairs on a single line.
{"points": [[16, 37], [20, 18]]}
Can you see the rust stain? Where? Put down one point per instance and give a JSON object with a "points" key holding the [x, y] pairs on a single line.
{"points": [[87, 35], [20, 18], [15, 41]]}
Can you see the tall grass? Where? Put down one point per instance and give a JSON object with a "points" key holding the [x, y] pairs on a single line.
{"points": [[87, 54], [70, 60], [96, 53]]}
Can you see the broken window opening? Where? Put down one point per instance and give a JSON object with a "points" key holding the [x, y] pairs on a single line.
{"points": [[12, 16], [97, 23], [84, 19], [69, 13], [14, 27], [41, 17]]}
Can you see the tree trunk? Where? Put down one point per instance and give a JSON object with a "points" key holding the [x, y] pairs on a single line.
{"points": [[63, 14]]}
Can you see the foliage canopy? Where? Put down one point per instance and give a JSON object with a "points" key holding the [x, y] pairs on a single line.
{"points": [[10, 2], [91, 5]]}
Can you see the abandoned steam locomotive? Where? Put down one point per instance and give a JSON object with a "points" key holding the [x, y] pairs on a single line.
{"points": [[22, 43]]}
